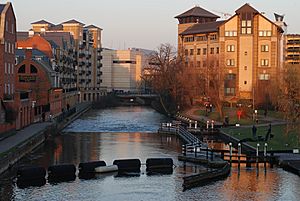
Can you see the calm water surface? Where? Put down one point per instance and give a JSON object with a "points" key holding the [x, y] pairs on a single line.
{"points": [[129, 132]]}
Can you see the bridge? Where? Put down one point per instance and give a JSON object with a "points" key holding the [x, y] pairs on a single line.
{"points": [[136, 98]]}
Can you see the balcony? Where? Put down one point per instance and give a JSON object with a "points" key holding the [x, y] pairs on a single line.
{"points": [[99, 57]]}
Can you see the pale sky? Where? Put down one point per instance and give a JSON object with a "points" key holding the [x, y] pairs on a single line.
{"points": [[140, 23]]}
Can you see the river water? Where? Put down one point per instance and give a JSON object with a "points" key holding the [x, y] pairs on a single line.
{"points": [[130, 132]]}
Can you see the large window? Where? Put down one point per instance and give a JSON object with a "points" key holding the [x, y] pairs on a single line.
{"points": [[265, 48], [246, 27], [230, 62], [264, 76], [264, 62], [230, 48], [204, 51], [229, 91], [22, 69], [265, 33], [198, 51], [33, 69], [230, 33]]}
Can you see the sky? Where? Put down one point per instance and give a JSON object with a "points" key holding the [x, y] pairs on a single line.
{"points": [[140, 23]]}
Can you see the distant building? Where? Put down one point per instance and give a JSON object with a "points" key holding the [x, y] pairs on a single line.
{"points": [[122, 69], [244, 48], [7, 64], [292, 49]]}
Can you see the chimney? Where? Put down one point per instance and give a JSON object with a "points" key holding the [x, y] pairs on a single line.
{"points": [[30, 33]]}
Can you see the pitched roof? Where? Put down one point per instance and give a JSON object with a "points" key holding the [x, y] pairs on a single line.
{"points": [[2, 7], [246, 8], [57, 27], [73, 22], [203, 28], [92, 27], [42, 22], [197, 12]]}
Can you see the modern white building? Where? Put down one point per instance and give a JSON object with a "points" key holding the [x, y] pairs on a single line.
{"points": [[122, 69]]}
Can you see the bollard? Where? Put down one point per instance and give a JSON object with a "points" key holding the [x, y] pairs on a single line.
{"points": [[239, 155], [212, 124], [265, 156], [230, 152], [195, 124], [190, 123], [257, 154], [207, 125]]}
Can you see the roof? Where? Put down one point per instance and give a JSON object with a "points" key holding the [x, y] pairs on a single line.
{"points": [[73, 22], [92, 27], [246, 8], [42, 22], [2, 7], [197, 12], [56, 27], [203, 28], [22, 35]]}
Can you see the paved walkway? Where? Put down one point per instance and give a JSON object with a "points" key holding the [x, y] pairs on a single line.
{"points": [[31, 130], [22, 135]]}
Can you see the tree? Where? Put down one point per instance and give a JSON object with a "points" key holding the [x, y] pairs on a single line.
{"points": [[286, 95]]}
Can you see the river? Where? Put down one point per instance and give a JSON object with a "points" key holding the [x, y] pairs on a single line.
{"points": [[130, 132]]}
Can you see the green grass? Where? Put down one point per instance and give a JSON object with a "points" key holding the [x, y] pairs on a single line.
{"points": [[281, 140], [231, 113]]}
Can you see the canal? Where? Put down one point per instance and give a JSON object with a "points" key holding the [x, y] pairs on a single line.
{"points": [[130, 132]]}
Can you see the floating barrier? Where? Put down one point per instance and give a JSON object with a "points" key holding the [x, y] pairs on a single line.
{"points": [[152, 163], [65, 171], [106, 169], [31, 173], [128, 165], [89, 167], [35, 183]]}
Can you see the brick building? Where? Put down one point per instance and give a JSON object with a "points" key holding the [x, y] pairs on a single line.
{"points": [[7, 62], [37, 83], [244, 48]]}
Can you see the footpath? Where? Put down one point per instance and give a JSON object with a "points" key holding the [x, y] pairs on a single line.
{"points": [[14, 147]]}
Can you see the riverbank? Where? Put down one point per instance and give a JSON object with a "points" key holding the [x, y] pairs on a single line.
{"points": [[16, 146]]}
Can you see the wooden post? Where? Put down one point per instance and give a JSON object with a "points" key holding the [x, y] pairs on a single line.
{"points": [[239, 155], [265, 156], [257, 155], [230, 152]]}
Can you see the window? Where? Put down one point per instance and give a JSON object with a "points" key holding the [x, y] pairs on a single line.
{"points": [[33, 69], [198, 64], [245, 67], [230, 76], [5, 67], [123, 62], [218, 50], [8, 88], [5, 46], [204, 51], [245, 82], [6, 25], [201, 38], [229, 91], [246, 27], [12, 27], [8, 68], [186, 52], [12, 88], [12, 68], [230, 33], [188, 39], [264, 76], [213, 37], [198, 51], [230, 48], [265, 48], [191, 51], [265, 33], [204, 63], [191, 64], [212, 50], [264, 62], [230, 62], [22, 69]]}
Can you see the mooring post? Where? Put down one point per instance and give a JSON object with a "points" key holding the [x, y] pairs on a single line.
{"points": [[239, 155], [212, 124], [190, 123], [195, 124], [230, 152], [257, 154], [207, 125], [265, 156]]}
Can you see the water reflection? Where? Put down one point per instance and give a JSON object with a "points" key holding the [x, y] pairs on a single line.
{"points": [[75, 147]]}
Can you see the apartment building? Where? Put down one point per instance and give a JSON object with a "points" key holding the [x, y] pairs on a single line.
{"points": [[292, 49], [7, 62], [122, 69], [244, 49]]}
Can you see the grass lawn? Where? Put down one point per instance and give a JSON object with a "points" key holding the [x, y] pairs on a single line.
{"points": [[231, 113], [281, 140]]}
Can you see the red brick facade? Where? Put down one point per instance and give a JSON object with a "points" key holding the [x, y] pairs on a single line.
{"points": [[7, 64]]}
